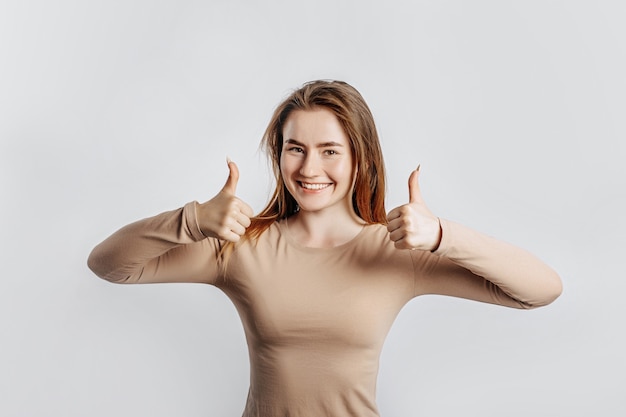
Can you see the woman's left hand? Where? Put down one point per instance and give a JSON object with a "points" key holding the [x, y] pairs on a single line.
{"points": [[412, 225]]}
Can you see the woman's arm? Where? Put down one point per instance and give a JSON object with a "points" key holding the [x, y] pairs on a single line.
{"points": [[471, 265], [452, 259], [177, 246], [168, 247]]}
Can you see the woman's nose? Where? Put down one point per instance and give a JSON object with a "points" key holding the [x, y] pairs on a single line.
{"points": [[310, 166]]}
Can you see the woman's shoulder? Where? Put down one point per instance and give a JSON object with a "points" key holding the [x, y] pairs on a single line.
{"points": [[375, 231]]}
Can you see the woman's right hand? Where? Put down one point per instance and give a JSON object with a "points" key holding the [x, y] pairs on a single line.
{"points": [[225, 216]]}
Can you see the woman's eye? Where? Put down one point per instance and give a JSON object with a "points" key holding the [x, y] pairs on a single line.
{"points": [[331, 152], [296, 149]]}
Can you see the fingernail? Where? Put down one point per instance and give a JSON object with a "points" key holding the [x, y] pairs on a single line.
{"points": [[228, 160], [418, 167]]}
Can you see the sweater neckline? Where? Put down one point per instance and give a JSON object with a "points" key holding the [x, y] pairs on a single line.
{"points": [[283, 227]]}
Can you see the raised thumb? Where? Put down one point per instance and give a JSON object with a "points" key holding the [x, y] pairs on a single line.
{"points": [[415, 194], [233, 177]]}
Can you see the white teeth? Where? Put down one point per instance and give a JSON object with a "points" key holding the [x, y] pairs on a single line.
{"points": [[314, 186]]}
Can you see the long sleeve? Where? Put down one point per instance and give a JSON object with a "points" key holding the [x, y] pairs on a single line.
{"points": [[168, 247], [471, 265]]}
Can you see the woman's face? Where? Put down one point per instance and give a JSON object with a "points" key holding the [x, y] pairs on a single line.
{"points": [[316, 161]]}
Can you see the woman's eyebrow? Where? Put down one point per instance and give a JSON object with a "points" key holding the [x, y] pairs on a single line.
{"points": [[319, 145]]}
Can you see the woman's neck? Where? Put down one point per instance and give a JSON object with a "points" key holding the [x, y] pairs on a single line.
{"points": [[324, 229]]}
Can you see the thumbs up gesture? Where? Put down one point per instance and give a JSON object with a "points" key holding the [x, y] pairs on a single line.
{"points": [[225, 216], [412, 225]]}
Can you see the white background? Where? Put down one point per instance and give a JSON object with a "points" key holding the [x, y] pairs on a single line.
{"points": [[111, 111]]}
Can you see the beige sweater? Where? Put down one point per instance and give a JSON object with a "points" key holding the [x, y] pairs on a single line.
{"points": [[315, 319]]}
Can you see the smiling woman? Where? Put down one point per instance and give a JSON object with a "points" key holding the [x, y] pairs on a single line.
{"points": [[351, 121], [320, 274], [317, 167]]}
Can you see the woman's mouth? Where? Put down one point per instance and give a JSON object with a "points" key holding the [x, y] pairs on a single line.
{"points": [[313, 186]]}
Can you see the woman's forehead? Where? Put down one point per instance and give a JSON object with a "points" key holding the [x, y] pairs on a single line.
{"points": [[318, 127]]}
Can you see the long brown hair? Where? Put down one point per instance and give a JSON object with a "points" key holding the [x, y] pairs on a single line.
{"points": [[347, 104]]}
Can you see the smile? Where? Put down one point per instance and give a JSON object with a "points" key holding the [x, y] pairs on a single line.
{"points": [[310, 186]]}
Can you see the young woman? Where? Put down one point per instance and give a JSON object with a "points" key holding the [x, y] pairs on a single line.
{"points": [[320, 274]]}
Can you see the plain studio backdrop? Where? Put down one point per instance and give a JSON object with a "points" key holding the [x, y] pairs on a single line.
{"points": [[111, 111]]}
